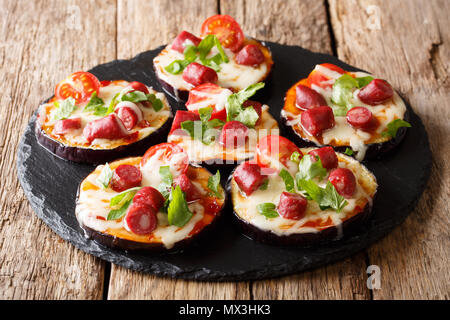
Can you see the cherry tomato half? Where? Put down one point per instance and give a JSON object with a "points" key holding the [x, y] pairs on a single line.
{"points": [[170, 154], [273, 150], [207, 95], [227, 30], [79, 85], [316, 77]]}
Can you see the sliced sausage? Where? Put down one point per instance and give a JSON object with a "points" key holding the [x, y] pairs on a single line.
{"points": [[234, 134], [149, 196], [344, 181], [292, 206], [109, 127], [307, 98], [327, 157], [196, 74], [140, 219], [317, 119], [182, 116], [248, 177], [376, 92], [129, 113], [183, 39], [125, 177], [250, 55], [187, 187], [361, 118], [64, 126]]}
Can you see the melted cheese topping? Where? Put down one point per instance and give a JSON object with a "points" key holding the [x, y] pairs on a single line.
{"points": [[93, 207], [342, 134], [315, 219], [75, 137], [231, 75], [217, 153]]}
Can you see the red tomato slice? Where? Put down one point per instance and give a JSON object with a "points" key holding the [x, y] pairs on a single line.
{"points": [[170, 154], [79, 85], [227, 30], [316, 77], [272, 150], [206, 95]]}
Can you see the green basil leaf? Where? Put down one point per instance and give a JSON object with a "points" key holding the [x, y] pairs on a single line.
{"points": [[205, 113], [190, 53], [178, 212], [331, 198], [105, 176], [288, 180], [342, 93], [265, 185], [119, 213], [205, 46], [214, 123], [310, 189], [134, 96], [156, 103], [295, 157], [363, 81], [221, 51], [348, 151], [110, 109], [64, 108], [309, 169], [190, 127], [234, 105], [95, 103], [177, 66], [119, 199], [267, 209], [393, 127], [248, 116], [214, 183], [166, 175]]}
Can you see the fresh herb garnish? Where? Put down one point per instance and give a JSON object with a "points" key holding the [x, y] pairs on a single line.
{"points": [[203, 130], [105, 176], [343, 92], [288, 180], [309, 169], [166, 181], [64, 108], [134, 96], [235, 110], [156, 103], [264, 185], [348, 151], [213, 185], [178, 212], [120, 203], [119, 213], [267, 209], [393, 127], [95, 104], [364, 81], [295, 157], [326, 198]]}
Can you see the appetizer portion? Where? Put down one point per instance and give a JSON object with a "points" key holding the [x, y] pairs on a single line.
{"points": [[154, 202], [288, 195], [94, 122], [350, 111], [221, 55], [221, 127]]}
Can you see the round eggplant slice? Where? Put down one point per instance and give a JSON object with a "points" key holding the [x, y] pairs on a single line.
{"points": [[316, 225], [232, 75], [215, 155], [366, 144], [93, 207], [152, 128]]}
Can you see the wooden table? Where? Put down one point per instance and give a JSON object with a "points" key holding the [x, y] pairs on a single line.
{"points": [[406, 42]]}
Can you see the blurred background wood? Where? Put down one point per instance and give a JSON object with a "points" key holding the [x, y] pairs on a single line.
{"points": [[404, 42]]}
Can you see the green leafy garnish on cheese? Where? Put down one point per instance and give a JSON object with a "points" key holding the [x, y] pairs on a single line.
{"points": [[178, 212], [105, 176], [393, 127], [214, 185], [235, 110], [64, 108]]}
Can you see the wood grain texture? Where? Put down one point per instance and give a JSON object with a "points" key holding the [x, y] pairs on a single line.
{"points": [[409, 46], [293, 22], [34, 262]]}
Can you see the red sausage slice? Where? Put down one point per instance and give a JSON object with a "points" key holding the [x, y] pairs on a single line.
{"points": [[248, 177], [344, 181], [317, 120], [376, 92], [196, 74], [125, 177], [292, 206], [183, 39], [149, 196], [361, 118], [234, 134], [129, 113], [307, 98], [187, 187], [141, 219], [109, 127], [64, 126], [250, 55], [180, 117], [138, 86], [327, 157]]}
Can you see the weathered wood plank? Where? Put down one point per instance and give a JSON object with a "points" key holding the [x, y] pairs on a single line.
{"points": [[143, 25], [301, 23], [407, 42], [40, 44]]}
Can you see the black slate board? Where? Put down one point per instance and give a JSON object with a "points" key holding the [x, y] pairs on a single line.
{"points": [[51, 184]]}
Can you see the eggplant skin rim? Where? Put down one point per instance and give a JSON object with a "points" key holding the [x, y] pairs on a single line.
{"points": [[130, 245], [99, 156], [183, 95], [374, 150], [327, 235]]}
